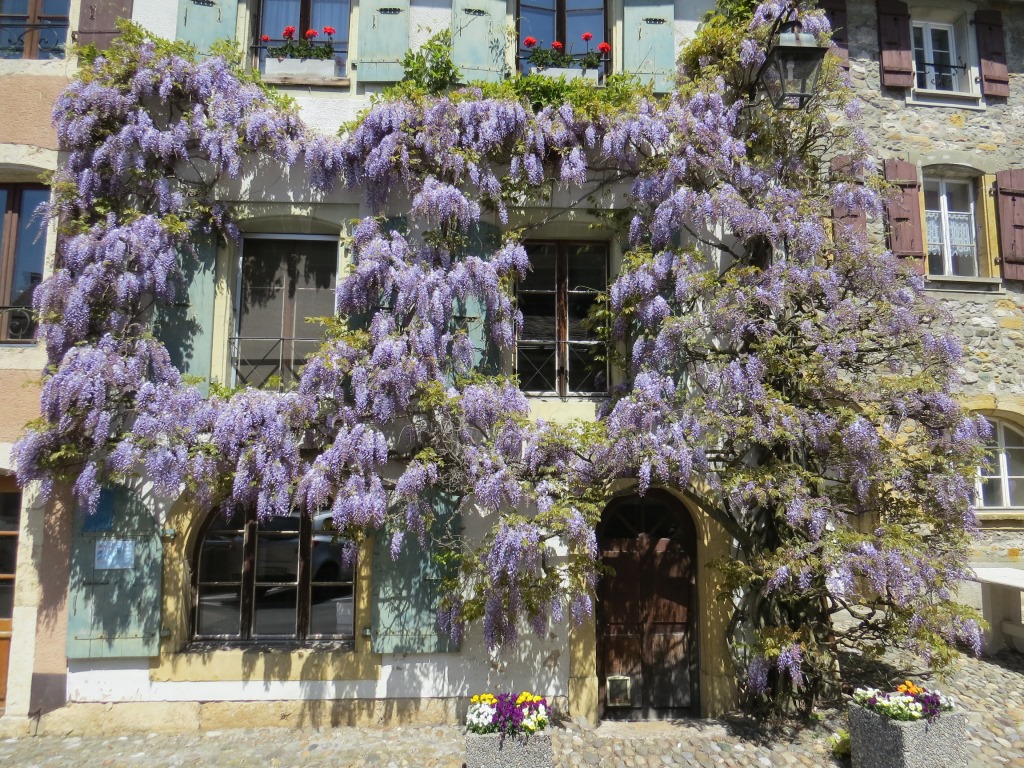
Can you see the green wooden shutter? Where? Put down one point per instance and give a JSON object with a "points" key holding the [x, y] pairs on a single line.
{"points": [[203, 22], [186, 329], [116, 578], [648, 49], [478, 39], [405, 592], [484, 240], [383, 40]]}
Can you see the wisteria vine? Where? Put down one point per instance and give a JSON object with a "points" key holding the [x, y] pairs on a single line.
{"points": [[786, 378]]}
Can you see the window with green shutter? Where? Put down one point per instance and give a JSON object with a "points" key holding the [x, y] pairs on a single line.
{"points": [[478, 39], [648, 43], [383, 40], [204, 22]]}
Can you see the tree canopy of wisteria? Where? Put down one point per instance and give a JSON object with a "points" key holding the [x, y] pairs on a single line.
{"points": [[785, 375]]}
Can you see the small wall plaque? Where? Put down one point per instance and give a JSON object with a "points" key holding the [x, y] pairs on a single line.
{"points": [[114, 554]]}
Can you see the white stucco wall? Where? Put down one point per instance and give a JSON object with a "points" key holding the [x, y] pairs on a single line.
{"points": [[160, 18]]}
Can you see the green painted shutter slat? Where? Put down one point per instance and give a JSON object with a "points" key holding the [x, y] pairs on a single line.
{"points": [[478, 39], [383, 40], [204, 22], [406, 591], [115, 611], [186, 329], [484, 240], [648, 49]]}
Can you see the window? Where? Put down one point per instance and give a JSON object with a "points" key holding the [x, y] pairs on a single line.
{"points": [[285, 279], [22, 254], [563, 20], [935, 59], [304, 15], [10, 512], [284, 578], [33, 29], [558, 353], [1001, 479], [950, 227]]}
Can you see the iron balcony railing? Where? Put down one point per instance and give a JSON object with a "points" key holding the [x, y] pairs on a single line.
{"points": [[17, 324]]}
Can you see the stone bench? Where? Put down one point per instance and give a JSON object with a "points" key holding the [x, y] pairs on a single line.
{"points": [[1001, 590]]}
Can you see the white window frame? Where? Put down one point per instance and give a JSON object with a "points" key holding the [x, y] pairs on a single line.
{"points": [[999, 426], [955, 16], [927, 27], [947, 249]]}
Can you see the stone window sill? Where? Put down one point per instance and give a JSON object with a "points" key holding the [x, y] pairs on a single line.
{"points": [[922, 97], [964, 284], [306, 82]]}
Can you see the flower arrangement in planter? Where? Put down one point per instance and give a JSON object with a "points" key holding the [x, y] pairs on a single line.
{"points": [[911, 727], [507, 730], [303, 55], [557, 62]]}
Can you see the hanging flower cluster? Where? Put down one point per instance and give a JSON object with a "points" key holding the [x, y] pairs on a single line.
{"points": [[786, 381]]}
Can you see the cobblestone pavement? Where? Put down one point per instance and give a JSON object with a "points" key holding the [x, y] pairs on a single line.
{"points": [[990, 691]]}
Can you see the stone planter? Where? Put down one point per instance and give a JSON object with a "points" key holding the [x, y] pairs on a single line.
{"points": [[310, 69], [495, 750], [877, 741], [571, 73]]}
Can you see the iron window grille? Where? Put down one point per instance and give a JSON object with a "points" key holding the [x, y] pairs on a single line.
{"points": [[34, 29]]}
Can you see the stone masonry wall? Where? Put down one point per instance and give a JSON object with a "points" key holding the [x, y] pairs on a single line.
{"points": [[989, 319]]}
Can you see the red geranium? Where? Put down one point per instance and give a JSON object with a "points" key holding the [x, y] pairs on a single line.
{"points": [[587, 37], [557, 45], [329, 31], [311, 33], [265, 38], [530, 42], [289, 33], [604, 47]]}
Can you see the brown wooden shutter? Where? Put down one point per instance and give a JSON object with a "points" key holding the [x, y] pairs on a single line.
{"points": [[894, 41], [1010, 210], [995, 77], [835, 11], [903, 212], [97, 23], [855, 219]]}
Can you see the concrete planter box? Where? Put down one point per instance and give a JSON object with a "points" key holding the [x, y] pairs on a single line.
{"points": [[571, 73], [876, 741], [495, 750], [312, 69]]}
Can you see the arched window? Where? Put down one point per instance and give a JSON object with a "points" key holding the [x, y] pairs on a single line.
{"points": [[1001, 480], [284, 578]]}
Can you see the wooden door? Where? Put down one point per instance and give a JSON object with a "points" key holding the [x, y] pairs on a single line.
{"points": [[646, 611], [10, 513]]}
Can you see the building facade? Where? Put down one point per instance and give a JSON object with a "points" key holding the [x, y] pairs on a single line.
{"points": [[153, 614]]}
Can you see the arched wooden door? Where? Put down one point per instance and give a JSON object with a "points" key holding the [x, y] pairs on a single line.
{"points": [[647, 609]]}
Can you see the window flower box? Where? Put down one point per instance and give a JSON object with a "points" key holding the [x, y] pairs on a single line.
{"points": [[571, 73], [499, 750], [311, 69], [877, 739]]}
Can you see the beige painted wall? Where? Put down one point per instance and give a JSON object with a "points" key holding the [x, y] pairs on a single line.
{"points": [[19, 402], [27, 102]]}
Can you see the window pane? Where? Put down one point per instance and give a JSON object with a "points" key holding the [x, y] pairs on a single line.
{"points": [[536, 368], [30, 249], [578, 22], [314, 286], [541, 276], [1011, 436], [579, 309], [221, 557], [219, 611], [1015, 462], [332, 13], [990, 468], [1016, 492], [932, 191], [274, 611], [278, 14], [920, 58], [538, 316], [587, 268], [586, 372], [329, 562], [277, 557], [56, 7], [6, 599], [331, 612], [991, 493], [942, 58], [958, 196], [537, 23], [8, 553], [10, 511], [258, 360], [14, 7]]}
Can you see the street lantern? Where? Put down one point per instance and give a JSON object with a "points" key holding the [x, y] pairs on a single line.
{"points": [[790, 73]]}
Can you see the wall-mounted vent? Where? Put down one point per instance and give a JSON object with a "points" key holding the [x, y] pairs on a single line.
{"points": [[618, 688]]}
